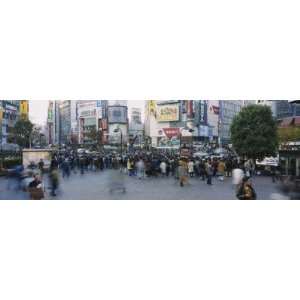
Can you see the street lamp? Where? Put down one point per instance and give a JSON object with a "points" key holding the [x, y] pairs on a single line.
{"points": [[116, 131]]}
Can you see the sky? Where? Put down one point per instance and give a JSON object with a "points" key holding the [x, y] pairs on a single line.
{"points": [[38, 110]]}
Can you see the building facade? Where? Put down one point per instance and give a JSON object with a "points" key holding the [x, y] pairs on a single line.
{"points": [[228, 110], [9, 115]]}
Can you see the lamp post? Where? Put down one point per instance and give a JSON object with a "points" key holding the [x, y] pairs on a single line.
{"points": [[119, 130]]}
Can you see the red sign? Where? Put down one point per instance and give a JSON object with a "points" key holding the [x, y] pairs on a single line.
{"points": [[171, 132], [215, 109]]}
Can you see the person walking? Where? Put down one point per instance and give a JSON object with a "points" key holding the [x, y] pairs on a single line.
{"points": [[54, 180], [183, 172], [140, 166], [41, 165], [191, 168], [163, 168], [209, 172], [221, 170]]}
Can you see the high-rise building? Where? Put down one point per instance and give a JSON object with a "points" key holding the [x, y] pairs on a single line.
{"points": [[68, 122], [53, 123], [118, 123], [9, 115], [136, 127], [287, 109], [92, 115], [228, 110]]}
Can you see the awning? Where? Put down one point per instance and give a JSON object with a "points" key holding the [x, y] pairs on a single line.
{"points": [[297, 121], [286, 122]]}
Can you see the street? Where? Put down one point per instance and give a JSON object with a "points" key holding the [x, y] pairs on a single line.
{"points": [[109, 185]]}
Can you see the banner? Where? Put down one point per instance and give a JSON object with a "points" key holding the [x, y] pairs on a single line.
{"points": [[168, 113]]}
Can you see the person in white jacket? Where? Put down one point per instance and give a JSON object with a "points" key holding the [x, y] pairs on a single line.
{"points": [[191, 166], [163, 168]]}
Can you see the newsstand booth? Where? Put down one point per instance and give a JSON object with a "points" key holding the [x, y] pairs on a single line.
{"points": [[290, 159]]}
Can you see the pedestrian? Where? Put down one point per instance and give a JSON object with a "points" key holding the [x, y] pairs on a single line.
{"points": [[41, 165], [209, 172], [246, 190], [54, 181], [221, 170], [140, 166], [191, 168], [183, 172], [163, 168]]}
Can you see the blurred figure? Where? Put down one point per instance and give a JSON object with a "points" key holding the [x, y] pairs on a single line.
{"points": [[221, 170], [54, 180], [140, 166], [41, 165], [246, 190], [237, 177], [183, 172], [163, 168]]}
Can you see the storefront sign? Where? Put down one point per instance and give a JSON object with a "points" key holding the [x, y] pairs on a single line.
{"points": [[168, 113]]}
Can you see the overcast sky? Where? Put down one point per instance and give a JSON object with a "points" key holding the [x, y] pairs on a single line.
{"points": [[38, 110]]}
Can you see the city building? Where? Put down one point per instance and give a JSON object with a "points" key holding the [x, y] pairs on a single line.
{"points": [[118, 123], [53, 123], [68, 110], [287, 109], [92, 115], [9, 115], [213, 121], [163, 122], [136, 127], [228, 110]]}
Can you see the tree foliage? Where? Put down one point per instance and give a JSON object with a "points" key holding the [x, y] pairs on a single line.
{"points": [[22, 132], [254, 132]]}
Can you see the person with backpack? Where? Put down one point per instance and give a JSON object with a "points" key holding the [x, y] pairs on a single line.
{"points": [[246, 190]]}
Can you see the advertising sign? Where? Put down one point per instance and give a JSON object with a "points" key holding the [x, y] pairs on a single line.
{"points": [[171, 132], [24, 107], [88, 113], [117, 114], [168, 113]]}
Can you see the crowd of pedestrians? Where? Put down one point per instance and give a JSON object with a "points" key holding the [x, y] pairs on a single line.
{"points": [[143, 165]]}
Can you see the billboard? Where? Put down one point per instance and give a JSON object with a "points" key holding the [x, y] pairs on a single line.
{"points": [[117, 114], [24, 107], [168, 112]]}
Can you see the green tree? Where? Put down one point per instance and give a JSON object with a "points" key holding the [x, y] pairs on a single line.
{"points": [[22, 132], [254, 132]]}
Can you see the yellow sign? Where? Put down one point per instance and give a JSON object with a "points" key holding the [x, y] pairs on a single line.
{"points": [[1, 116], [152, 107], [168, 113], [24, 108]]}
